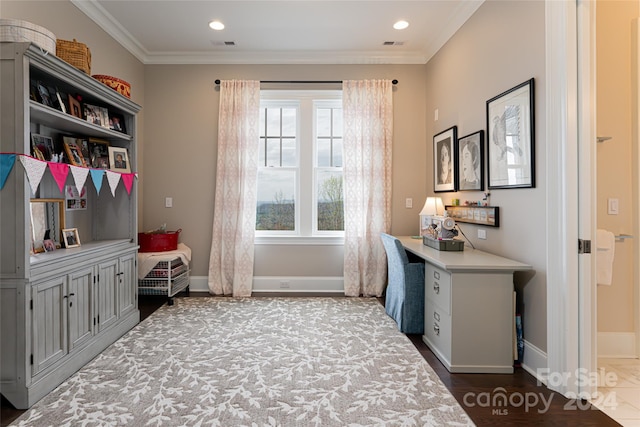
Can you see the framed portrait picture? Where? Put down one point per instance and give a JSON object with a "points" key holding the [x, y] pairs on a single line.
{"points": [[73, 151], [444, 162], [116, 122], [74, 107], [71, 237], [42, 147], [471, 162], [510, 138], [119, 159], [98, 153]]}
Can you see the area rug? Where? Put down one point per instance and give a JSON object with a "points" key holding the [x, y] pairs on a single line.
{"points": [[256, 362]]}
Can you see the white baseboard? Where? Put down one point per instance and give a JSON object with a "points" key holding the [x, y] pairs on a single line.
{"points": [[617, 345], [535, 361], [298, 284], [281, 284]]}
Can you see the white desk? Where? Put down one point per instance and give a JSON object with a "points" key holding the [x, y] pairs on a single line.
{"points": [[469, 307]]}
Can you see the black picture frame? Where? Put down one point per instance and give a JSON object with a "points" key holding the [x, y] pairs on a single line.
{"points": [[116, 122], [511, 138], [43, 94], [444, 170], [470, 158], [472, 214]]}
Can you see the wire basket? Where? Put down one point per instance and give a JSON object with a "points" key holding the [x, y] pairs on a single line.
{"points": [[75, 53]]}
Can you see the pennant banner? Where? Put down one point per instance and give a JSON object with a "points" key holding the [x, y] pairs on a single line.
{"points": [[35, 170], [127, 180], [113, 179], [6, 164], [59, 172], [96, 177], [79, 176]]}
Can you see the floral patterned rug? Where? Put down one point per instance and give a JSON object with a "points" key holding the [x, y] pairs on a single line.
{"points": [[256, 362]]}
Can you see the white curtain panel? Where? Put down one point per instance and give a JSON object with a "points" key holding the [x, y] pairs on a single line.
{"points": [[234, 217], [368, 131]]}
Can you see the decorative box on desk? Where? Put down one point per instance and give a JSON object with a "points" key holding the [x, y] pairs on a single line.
{"points": [[443, 244], [164, 273]]}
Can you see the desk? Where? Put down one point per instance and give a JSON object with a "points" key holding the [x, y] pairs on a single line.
{"points": [[469, 307]]}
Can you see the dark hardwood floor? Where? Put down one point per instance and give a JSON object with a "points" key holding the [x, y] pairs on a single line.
{"points": [[528, 404]]}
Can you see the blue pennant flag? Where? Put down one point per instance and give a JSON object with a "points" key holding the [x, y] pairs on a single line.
{"points": [[6, 164], [96, 177]]}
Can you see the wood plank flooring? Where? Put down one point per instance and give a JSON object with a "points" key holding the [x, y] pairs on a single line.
{"points": [[528, 404]]}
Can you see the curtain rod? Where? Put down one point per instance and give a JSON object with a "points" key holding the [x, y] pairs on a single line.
{"points": [[303, 81]]}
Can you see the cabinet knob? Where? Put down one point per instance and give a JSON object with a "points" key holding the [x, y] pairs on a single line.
{"points": [[436, 287], [436, 329], [436, 316]]}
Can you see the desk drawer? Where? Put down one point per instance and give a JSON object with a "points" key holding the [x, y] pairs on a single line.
{"points": [[437, 328], [438, 287]]}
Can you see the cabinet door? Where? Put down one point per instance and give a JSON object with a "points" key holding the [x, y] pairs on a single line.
{"points": [[127, 283], [107, 294], [80, 306], [49, 322]]}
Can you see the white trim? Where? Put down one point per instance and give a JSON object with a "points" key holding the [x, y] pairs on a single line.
{"points": [[199, 284], [617, 345], [535, 361], [298, 284], [561, 205]]}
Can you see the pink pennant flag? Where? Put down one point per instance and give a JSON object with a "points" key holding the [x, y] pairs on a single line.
{"points": [[127, 180], [35, 170], [59, 172], [79, 176], [113, 178]]}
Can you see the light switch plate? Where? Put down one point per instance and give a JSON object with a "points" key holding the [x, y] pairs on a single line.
{"points": [[168, 202], [612, 206]]}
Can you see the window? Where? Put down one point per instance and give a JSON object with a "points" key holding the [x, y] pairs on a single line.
{"points": [[300, 192]]}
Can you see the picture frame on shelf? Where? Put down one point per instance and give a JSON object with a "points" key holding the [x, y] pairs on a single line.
{"points": [[511, 139], [96, 115], [116, 122], [99, 153], [42, 147], [44, 95], [73, 151], [74, 107], [60, 103], [473, 214], [471, 162], [71, 237], [444, 160], [119, 159]]}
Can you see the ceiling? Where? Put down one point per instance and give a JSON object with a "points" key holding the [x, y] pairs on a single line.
{"points": [[280, 32]]}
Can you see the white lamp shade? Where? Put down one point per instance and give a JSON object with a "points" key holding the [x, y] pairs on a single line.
{"points": [[433, 206]]}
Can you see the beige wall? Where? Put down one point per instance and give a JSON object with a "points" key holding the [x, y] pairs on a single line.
{"points": [[501, 46], [615, 85], [108, 57], [180, 161]]}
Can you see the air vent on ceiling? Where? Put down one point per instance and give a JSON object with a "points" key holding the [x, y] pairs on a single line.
{"points": [[392, 43], [220, 43]]}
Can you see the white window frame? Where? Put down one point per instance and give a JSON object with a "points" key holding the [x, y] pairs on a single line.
{"points": [[306, 230]]}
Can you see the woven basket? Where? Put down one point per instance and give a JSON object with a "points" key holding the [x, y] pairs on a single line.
{"points": [[75, 53]]}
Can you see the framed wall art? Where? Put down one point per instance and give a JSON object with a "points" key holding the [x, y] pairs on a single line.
{"points": [[510, 138], [471, 162], [481, 215], [444, 163]]}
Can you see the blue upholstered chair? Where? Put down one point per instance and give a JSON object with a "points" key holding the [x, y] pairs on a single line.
{"points": [[404, 300]]}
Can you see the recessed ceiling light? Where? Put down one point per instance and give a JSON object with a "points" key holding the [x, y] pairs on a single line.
{"points": [[400, 25], [216, 25]]}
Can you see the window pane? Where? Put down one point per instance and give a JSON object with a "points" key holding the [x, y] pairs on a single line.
{"points": [[323, 122], [273, 152], [289, 122], [263, 112], [273, 122], [330, 200], [337, 152], [337, 122], [262, 153], [323, 147], [289, 152], [276, 200]]}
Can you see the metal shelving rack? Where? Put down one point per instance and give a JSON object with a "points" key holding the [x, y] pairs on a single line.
{"points": [[166, 278]]}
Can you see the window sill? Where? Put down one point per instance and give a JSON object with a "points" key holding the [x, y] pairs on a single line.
{"points": [[300, 240]]}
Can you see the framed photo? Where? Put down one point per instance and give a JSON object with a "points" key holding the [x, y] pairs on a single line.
{"points": [[60, 102], [443, 160], [119, 159], [510, 138], [471, 162], [74, 107], [42, 147], [97, 115], [73, 151], [44, 95], [482, 215], [99, 153], [116, 122], [71, 237]]}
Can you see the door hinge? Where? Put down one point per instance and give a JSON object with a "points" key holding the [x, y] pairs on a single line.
{"points": [[584, 246]]}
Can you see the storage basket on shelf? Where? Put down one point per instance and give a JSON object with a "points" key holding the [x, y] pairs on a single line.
{"points": [[158, 242], [15, 30], [119, 85], [75, 53]]}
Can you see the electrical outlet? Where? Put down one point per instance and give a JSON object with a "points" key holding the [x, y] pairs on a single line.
{"points": [[168, 202], [284, 284], [435, 115], [482, 234]]}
